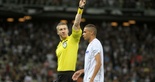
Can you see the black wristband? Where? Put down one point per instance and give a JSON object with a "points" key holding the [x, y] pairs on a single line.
{"points": [[81, 7]]}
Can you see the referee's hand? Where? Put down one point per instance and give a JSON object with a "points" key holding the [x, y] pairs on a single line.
{"points": [[82, 3]]}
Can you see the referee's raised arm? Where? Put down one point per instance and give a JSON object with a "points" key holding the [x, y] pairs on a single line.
{"points": [[78, 16]]}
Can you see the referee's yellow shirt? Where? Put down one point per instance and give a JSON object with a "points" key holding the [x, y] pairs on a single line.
{"points": [[67, 51]]}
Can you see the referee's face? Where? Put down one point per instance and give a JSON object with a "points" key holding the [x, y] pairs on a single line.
{"points": [[62, 31]]}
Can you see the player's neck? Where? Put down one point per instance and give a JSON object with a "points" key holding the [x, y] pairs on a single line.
{"points": [[91, 39]]}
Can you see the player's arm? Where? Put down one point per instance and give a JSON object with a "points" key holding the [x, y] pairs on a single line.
{"points": [[78, 16], [97, 66]]}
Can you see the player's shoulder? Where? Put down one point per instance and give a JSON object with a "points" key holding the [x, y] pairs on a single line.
{"points": [[96, 41]]}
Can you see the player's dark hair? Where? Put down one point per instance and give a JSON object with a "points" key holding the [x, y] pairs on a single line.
{"points": [[93, 27]]}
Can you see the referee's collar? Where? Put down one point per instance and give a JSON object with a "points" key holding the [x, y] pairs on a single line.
{"points": [[64, 39]]}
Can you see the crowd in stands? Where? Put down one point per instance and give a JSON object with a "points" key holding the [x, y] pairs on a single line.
{"points": [[129, 53], [143, 4], [27, 52]]}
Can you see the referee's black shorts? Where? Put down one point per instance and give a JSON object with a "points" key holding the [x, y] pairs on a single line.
{"points": [[65, 76]]}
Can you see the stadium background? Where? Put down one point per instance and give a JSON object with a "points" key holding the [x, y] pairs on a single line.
{"points": [[28, 38]]}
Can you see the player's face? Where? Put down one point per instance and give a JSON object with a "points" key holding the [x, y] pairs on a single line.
{"points": [[86, 34], [62, 31]]}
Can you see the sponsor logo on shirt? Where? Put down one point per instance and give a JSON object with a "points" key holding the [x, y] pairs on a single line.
{"points": [[87, 52]]}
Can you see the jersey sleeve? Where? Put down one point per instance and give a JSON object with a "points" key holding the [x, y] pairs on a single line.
{"points": [[95, 49], [76, 34]]}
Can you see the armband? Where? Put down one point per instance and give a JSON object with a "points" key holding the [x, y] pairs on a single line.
{"points": [[80, 10]]}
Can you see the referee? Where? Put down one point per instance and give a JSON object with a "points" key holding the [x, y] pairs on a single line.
{"points": [[67, 48]]}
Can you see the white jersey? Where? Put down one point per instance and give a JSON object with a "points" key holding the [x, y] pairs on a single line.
{"points": [[93, 49]]}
